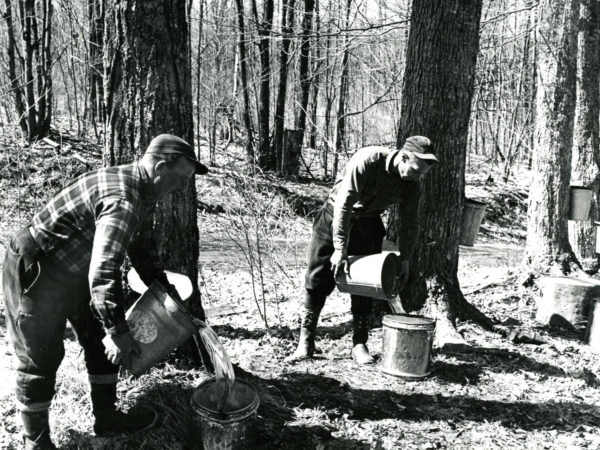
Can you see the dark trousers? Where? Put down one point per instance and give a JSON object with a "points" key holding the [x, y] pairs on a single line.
{"points": [[366, 238], [39, 299]]}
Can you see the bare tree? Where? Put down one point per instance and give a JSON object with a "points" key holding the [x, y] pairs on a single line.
{"points": [[148, 92], [30, 65], [548, 244], [436, 99]]}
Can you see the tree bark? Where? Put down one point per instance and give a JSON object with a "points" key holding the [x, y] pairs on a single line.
{"points": [[304, 73], [436, 100], [247, 115], [586, 153], [287, 23], [265, 159], [548, 247], [340, 133], [148, 91]]}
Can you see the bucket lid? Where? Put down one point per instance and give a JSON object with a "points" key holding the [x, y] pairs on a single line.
{"points": [[408, 321], [581, 187], [181, 282], [242, 401]]}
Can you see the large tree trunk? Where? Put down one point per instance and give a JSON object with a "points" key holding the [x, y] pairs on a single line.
{"points": [[436, 100], [548, 247], [584, 167], [148, 92]]}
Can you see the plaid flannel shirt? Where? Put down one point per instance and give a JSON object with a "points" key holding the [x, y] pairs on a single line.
{"points": [[367, 187], [90, 226]]}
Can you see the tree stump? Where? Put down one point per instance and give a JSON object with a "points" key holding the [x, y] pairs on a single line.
{"points": [[566, 300]]}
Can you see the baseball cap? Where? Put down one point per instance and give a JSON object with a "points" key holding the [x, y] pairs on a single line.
{"points": [[421, 147], [165, 144]]}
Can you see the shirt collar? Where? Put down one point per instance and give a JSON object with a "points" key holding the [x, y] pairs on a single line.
{"points": [[146, 182], [389, 160]]}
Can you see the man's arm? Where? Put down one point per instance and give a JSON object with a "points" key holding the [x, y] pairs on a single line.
{"points": [[114, 226], [348, 194], [143, 255]]}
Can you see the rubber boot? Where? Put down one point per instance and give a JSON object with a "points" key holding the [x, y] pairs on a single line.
{"points": [[308, 330], [36, 430], [108, 419], [360, 352]]}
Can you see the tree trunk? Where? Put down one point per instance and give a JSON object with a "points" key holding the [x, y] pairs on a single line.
{"points": [[12, 66], [30, 67], [292, 143], [548, 245], [340, 133], [287, 23], [436, 100], [584, 167], [94, 70], [265, 159], [148, 92], [304, 72], [245, 86]]}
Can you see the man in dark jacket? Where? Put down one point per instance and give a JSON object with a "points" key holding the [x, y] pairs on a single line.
{"points": [[66, 265], [350, 223]]}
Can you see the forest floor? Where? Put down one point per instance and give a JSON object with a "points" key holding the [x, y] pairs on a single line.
{"points": [[491, 393]]}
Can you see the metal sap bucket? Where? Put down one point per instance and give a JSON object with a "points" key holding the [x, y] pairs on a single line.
{"points": [[407, 342], [372, 276], [471, 221], [226, 429], [158, 324], [580, 201]]}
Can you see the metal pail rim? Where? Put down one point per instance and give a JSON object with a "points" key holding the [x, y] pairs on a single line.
{"points": [[408, 321], [228, 417]]}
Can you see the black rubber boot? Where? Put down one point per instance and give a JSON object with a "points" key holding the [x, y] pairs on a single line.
{"points": [[360, 352], [108, 419], [36, 430], [308, 331]]}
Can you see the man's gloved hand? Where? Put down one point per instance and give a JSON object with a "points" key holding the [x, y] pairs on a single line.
{"points": [[402, 274], [339, 262], [120, 348]]}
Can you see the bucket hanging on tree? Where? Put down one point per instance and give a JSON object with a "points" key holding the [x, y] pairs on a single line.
{"points": [[473, 213], [580, 201]]}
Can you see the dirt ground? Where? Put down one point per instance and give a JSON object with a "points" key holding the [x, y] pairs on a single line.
{"points": [[488, 394]]}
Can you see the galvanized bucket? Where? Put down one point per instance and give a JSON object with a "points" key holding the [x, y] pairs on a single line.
{"points": [[226, 429], [471, 221], [159, 325], [407, 342], [374, 276], [580, 201]]}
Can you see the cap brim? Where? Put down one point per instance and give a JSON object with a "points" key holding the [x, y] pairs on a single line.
{"points": [[201, 169], [426, 156]]}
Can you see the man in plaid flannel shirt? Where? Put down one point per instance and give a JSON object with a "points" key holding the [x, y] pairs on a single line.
{"points": [[66, 265]]}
